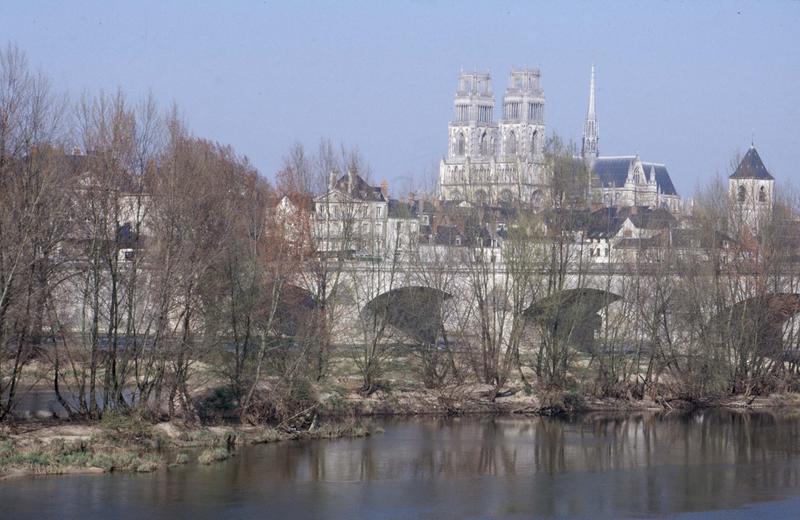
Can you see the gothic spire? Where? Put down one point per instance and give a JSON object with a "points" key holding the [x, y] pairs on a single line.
{"points": [[591, 114], [590, 129]]}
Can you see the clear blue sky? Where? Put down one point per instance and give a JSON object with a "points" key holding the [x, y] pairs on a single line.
{"points": [[685, 83]]}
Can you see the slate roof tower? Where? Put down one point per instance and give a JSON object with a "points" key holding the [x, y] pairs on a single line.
{"points": [[751, 189]]}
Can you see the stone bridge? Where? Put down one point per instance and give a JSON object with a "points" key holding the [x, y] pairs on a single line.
{"points": [[420, 304]]}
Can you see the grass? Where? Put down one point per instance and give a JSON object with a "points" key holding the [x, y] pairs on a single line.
{"points": [[213, 455], [60, 456], [132, 443]]}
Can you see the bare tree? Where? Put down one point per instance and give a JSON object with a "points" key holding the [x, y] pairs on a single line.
{"points": [[32, 214]]}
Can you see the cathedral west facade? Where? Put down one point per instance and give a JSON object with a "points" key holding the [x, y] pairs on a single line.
{"points": [[495, 163]]}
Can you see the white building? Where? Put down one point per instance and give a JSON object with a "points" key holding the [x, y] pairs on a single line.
{"points": [[355, 218]]}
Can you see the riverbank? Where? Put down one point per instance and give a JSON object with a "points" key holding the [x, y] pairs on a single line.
{"points": [[130, 444], [480, 398], [127, 444]]}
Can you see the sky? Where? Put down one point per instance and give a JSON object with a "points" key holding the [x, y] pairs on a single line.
{"points": [[688, 84]]}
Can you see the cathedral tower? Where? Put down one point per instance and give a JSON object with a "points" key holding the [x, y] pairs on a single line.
{"points": [[589, 149], [522, 127], [471, 130]]}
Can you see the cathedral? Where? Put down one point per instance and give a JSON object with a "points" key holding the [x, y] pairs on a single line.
{"points": [[498, 163], [495, 163]]}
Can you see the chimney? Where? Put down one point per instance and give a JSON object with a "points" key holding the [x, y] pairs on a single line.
{"points": [[331, 180], [385, 189], [351, 181]]}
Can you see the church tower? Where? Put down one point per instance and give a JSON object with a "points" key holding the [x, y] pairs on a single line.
{"points": [[751, 190], [589, 149]]}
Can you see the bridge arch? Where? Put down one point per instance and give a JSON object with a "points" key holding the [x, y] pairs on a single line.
{"points": [[756, 322], [571, 315], [415, 310]]}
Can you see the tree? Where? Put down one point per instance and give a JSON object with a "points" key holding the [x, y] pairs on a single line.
{"points": [[33, 213]]}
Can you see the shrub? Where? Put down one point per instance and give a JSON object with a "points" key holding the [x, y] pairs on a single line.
{"points": [[220, 404], [122, 429]]}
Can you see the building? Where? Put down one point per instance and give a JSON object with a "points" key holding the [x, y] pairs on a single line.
{"points": [[495, 163], [624, 181], [355, 218], [751, 190]]}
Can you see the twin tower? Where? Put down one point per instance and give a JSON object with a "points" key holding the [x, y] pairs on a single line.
{"points": [[489, 162]]}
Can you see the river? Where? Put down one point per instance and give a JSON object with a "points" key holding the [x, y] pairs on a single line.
{"points": [[710, 464]]}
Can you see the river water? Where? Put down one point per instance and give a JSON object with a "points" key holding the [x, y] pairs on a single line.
{"points": [[711, 464]]}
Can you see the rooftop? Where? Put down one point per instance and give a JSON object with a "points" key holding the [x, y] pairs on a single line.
{"points": [[751, 167]]}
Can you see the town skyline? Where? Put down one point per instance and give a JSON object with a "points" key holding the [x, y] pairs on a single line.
{"points": [[233, 88]]}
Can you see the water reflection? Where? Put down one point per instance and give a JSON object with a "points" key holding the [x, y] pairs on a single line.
{"points": [[590, 466], [459, 447]]}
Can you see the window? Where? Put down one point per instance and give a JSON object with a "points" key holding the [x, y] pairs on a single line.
{"points": [[484, 114], [742, 194], [512, 143], [462, 112], [762, 194], [484, 144], [534, 142], [461, 145]]}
